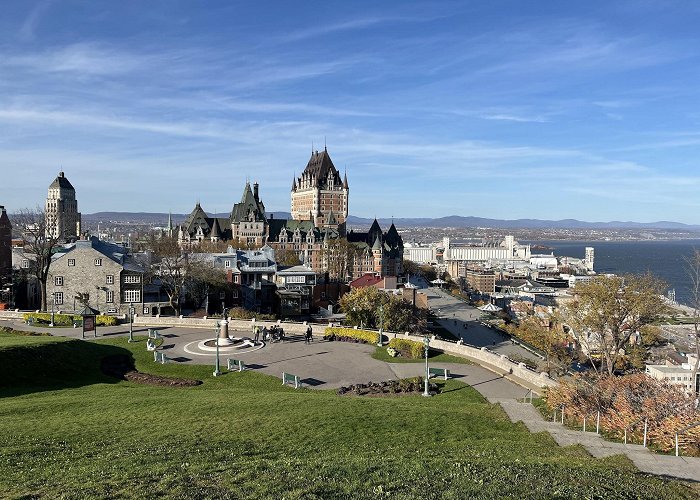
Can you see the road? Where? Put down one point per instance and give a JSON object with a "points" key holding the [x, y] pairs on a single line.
{"points": [[453, 314]]}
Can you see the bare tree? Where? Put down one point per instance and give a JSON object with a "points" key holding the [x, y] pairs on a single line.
{"points": [[40, 240], [610, 309], [692, 265], [338, 256]]}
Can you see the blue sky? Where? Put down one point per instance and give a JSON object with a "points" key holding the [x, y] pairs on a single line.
{"points": [[587, 110]]}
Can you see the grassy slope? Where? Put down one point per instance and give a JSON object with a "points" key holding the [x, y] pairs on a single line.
{"points": [[244, 435]]}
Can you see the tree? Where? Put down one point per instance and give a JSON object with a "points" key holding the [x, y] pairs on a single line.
{"points": [[548, 336], [608, 310], [338, 256], [692, 265], [40, 241], [288, 257], [370, 307]]}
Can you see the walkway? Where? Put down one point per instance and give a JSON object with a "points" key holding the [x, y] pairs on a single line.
{"points": [[453, 314], [662, 465]]}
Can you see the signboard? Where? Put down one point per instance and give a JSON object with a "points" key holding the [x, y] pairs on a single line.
{"points": [[89, 324]]}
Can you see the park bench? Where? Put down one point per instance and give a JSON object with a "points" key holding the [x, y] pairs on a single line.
{"points": [[150, 345], [160, 357], [439, 372], [153, 334], [288, 378], [235, 364]]}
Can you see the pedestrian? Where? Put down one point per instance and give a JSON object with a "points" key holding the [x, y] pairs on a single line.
{"points": [[309, 335], [257, 335]]}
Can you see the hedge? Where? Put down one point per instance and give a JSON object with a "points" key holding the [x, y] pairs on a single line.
{"points": [[408, 348], [350, 334], [67, 319]]}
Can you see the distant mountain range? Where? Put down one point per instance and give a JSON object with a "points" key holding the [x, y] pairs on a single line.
{"points": [[456, 221]]}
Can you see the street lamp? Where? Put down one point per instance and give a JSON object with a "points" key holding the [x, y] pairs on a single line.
{"points": [[131, 322], [426, 344], [217, 368], [381, 324], [53, 305]]}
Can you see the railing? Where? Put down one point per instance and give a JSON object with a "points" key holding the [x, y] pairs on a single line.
{"points": [[529, 394], [683, 430], [635, 423], [597, 421], [554, 414]]}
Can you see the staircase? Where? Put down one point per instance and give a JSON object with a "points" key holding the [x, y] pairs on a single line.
{"points": [[687, 468]]}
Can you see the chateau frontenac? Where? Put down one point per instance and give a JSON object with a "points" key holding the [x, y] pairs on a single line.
{"points": [[316, 233]]}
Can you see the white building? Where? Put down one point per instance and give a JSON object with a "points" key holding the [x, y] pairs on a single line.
{"points": [[676, 375]]}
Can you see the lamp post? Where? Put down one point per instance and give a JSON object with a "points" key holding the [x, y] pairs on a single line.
{"points": [[426, 343], [53, 305], [131, 322], [381, 324], [217, 368]]}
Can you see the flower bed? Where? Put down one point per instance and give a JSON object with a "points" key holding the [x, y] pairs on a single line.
{"points": [[351, 335], [407, 348], [414, 385], [66, 319]]}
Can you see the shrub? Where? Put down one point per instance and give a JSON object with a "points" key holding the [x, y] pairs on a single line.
{"points": [[350, 334], [67, 319], [242, 313], [407, 348]]}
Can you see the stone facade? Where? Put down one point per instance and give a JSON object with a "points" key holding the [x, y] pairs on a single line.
{"points": [[62, 217], [99, 269]]}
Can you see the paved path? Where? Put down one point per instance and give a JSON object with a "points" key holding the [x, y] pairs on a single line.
{"points": [[646, 461], [453, 314]]}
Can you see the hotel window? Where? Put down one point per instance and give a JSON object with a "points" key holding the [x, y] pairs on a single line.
{"points": [[58, 280], [132, 278], [71, 262], [132, 295], [147, 310], [110, 279], [58, 298], [98, 262], [110, 296], [227, 263], [25, 264]]}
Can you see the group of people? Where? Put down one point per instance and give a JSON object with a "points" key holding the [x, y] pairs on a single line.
{"points": [[276, 333]]}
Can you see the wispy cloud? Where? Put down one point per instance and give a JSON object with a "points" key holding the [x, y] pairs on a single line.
{"points": [[515, 118], [28, 28]]}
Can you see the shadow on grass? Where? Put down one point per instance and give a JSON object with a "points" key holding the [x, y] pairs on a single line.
{"points": [[30, 368]]}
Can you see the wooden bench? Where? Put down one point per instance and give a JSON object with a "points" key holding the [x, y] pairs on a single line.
{"points": [[439, 372], [235, 364], [150, 345], [153, 334], [288, 378]]}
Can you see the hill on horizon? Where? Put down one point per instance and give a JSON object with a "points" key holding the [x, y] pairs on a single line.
{"points": [[456, 221]]}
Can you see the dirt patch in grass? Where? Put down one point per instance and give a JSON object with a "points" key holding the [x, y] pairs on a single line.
{"points": [[121, 366]]}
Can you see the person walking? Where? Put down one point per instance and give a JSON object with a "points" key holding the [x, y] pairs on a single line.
{"points": [[257, 335], [309, 335]]}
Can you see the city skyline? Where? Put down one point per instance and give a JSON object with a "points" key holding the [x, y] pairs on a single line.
{"points": [[504, 110]]}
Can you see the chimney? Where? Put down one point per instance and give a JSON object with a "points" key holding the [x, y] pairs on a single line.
{"points": [[255, 191]]}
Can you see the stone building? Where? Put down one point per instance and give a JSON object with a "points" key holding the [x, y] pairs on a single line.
{"points": [[62, 216], [102, 270], [319, 195]]}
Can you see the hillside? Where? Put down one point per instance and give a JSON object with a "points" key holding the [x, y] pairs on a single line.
{"points": [[243, 435]]}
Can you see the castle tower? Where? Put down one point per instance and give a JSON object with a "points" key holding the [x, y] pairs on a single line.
{"points": [[377, 255], [62, 216], [319, 194]]}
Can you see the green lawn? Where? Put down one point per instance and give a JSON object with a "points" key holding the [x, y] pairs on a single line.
{"points": [[433, 357], [69, 432]]}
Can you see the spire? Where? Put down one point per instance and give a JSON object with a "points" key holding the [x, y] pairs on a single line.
{"points": [[377, 244], [345, 180], [215, 229], [294, 183]]}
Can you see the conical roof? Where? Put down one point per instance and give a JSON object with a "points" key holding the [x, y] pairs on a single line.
{"points": [[215, 229], [377, 243]]}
